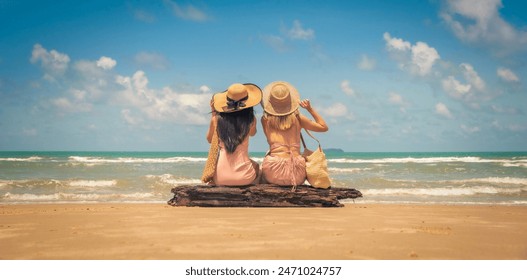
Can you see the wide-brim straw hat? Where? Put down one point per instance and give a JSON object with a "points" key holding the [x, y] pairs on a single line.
{"points": [[280, 98], [237, 97]]}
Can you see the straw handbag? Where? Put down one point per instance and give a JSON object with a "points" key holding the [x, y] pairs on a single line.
{"points": [[212, 160], [316, 165]]}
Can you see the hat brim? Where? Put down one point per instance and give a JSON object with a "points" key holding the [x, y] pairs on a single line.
{"points": [[254, 98], [280, 111]]}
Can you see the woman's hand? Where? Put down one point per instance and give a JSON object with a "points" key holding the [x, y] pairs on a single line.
{"points": [[319, 125], [306, 104]]}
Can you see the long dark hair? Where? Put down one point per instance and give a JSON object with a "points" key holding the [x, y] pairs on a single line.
{"points": [[234, 127]]}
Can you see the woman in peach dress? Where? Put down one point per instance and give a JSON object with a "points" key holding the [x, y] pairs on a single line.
{"points": [[282, 122]]}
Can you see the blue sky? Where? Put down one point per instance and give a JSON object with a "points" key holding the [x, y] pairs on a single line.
{"points": [[386, 75]]}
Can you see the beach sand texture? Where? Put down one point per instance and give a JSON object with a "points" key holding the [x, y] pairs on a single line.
{"points": [[356, 231]]}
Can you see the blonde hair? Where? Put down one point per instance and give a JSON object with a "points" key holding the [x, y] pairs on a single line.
{"points": [[281, 122]]}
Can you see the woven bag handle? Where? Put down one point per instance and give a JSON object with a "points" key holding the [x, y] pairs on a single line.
{"points": [[307, 131]]}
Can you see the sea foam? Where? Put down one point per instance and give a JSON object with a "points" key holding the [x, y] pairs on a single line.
{"points": [[33, 158], [93, 183], [430, 160], [101, 160], [444, 191]]}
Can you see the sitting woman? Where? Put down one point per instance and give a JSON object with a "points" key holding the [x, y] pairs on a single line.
{"points": [[234, 121], [281, 122]]}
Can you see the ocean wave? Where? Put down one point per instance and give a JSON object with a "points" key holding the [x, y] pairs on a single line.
{"points": [[347, 170], [487, 180], [431, 160], [101, 160], [515, 164], [444, 191], [58, 197], [173, 180], [93, 183], [54, 183], [498, 180], [33, 158]]}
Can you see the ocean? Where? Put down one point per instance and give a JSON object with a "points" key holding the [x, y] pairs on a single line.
{"points": [[136, 177]]}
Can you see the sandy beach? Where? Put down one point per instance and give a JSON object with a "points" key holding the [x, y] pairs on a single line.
{"points": [[356, 231]]}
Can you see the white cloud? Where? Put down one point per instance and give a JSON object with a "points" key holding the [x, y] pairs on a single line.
{"points": [[275, 42], [79, 89], [455, 88], [162, 105], [517, 127], [53, 62], [507, 75], [297, 32], [93, 77], [75, 104], [442, 110], [472, 76], [418, 59], [127, 116], [188, 12], [153, 60], [318, 55], [346, 88], [204, 89], [470, 92], [106, 63], [366, 63], [337, 110], [497, 125], [144, 16], [468, 129], [396, 43], [504, 110], [478, 22], [396, 99], [88, 69], [511, 127], [78, 101], [423, 57]]}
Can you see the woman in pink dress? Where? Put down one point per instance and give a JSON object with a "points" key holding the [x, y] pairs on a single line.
{"points": [[282, 122], [234, 121]]}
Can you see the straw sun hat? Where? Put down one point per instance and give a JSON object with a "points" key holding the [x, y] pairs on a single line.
{"points": [[280, 98], [237, 97]]}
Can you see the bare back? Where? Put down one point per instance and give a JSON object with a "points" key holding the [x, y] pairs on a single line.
{"points": [[282, 142]]}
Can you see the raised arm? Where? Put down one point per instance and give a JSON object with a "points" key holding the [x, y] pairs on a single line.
{"points": [[318, 125]]}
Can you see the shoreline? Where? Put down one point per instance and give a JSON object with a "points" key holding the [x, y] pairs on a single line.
{"points": [[136, 231]]}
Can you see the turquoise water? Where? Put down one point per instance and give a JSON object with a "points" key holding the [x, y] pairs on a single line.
{"points": [[426, 178]]}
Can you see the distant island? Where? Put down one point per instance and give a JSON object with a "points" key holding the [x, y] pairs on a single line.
{"points": [[333, 150]]}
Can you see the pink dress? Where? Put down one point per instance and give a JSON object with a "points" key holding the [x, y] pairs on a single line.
{"points": [[235, 169], [285, 171]]}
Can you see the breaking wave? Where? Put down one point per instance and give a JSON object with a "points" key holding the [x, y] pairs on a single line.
{"points": [[95, 160]]}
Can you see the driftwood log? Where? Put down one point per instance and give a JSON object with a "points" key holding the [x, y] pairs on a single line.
{"points": [[260, 195]]}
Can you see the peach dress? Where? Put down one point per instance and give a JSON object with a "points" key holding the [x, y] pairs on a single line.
{"points": [[235, 169], [284, 168]]}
